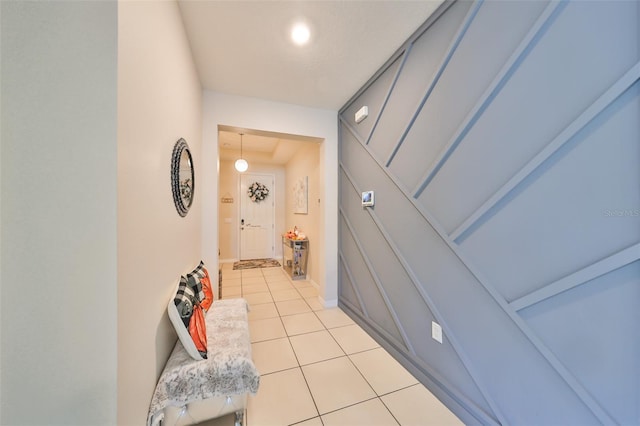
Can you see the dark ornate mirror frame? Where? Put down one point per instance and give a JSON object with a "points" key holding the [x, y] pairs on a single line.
{"points": [[182, 177]]}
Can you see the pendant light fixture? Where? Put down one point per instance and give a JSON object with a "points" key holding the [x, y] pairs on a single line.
{"points": [[241, 164]]}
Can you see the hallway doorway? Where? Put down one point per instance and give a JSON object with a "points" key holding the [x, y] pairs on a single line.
{"points": [[278, 161]]}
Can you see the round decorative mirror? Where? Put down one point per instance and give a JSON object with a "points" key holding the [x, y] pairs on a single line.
{"points": [[182, 177]]}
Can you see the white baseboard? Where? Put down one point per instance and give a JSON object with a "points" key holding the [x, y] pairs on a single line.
{"points": [[333, 303], [326, 303]]}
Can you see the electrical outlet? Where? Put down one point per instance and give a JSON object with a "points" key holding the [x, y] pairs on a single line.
{"points": [[436, 331]]}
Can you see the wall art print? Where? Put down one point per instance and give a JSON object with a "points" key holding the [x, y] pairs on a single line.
{"points": [[300, 195]]}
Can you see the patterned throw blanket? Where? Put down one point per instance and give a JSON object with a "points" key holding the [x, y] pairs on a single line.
{"points": [[229, 369]]}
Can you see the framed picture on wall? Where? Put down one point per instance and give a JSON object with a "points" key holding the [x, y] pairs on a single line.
{"points": [[301, 195], [367, 199]]}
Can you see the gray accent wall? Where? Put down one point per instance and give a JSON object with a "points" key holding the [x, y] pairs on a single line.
{"points": [[503, 146]]}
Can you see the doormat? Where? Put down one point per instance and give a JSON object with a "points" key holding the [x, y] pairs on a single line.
{"points": [[256, 263]]}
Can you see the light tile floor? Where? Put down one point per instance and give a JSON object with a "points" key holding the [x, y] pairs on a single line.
{"points": [[317, 367]]}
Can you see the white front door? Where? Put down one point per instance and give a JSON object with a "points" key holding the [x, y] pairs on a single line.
{"points": [[256, 218]]}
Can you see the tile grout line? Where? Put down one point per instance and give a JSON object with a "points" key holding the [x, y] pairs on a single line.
{"points": [[328, 330], [390, 412], [352, 363], [378, 397], [288, 341], [345, 354], [315, 404], [298, 360], [299, 367], [360, 402]]}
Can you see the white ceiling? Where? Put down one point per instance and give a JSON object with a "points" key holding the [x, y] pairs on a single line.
{"points": [[260, 147], [244, 48]]}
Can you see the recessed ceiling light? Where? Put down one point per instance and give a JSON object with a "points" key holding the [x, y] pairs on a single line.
{"points": [[300, 34]]}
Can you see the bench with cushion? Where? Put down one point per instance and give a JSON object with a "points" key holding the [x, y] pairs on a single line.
{"points": [[195, 385]]}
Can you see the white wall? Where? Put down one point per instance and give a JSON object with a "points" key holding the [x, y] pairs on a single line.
{"points": [[58, 224], [251, 113], [0, 240], [306, 162], [159, 101]]}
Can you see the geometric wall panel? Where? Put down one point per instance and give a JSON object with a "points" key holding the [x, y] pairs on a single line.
{"points": [[348, 293], [458, 89], [559, 218], [376, 309], [519, 122], [417, 72], [385, 289], [502, 146], [373, 99], [599, 341]]}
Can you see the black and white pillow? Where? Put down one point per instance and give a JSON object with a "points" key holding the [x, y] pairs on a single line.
{"points": [[200, 281], [193, 278], [180, 310], [184, 300]]}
